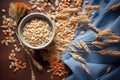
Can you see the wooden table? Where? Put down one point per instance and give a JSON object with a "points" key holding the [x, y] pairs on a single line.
{"points": [[25, 74]]}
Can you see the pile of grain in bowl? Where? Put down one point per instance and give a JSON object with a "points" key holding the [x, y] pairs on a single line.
{"points": [[37, 32]]}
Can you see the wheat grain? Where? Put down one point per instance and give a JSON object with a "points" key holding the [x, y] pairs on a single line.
{"points": [[70, 10], [78, 2], [62, 16], [108, 69], [57, 2], [3, 10], [82, 18], [94, 7], [37, 32], [34, 6]]}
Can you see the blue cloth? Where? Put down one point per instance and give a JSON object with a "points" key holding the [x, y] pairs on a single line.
{"points": [[95, 62]]}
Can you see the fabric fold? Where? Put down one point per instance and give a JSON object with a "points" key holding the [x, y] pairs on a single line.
{"points": [[96, 62]]}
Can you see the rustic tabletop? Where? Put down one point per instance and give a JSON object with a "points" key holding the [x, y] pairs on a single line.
{"points": [[25, 74]]}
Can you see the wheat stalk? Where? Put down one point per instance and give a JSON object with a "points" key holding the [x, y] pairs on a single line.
{"points": [[98, 44], [94, 7], [97, 30], [77, 46], [70, 10], [32, 72], [78, 57], [86, 69], [84, 46], [111, 41], [110, 52], [62, 16], [103, 33], [36, 63], [107, 71], [114, 7], [113, 36]]}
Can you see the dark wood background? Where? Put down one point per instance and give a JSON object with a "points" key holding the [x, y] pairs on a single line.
{"points": [[25, 74]]}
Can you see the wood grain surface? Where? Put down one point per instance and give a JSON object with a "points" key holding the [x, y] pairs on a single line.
{"points": [[25, 74]]}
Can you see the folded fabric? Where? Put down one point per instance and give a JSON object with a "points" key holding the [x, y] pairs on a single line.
{"points": [[96, 62]]}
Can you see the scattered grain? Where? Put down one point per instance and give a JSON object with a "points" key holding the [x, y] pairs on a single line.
{"points": [[57, 67], [51, 77], [108, 69], [34, 6], [10, 66], [82, 32], [39, 9], [70, 10], [63, 78], [57, 2], [48, 71], [3, 10]]}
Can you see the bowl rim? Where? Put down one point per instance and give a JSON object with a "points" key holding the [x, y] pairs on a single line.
{"points": [[20, 26]]}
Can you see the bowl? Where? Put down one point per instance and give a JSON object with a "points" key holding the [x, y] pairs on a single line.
{"points": [[27, 19]]}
